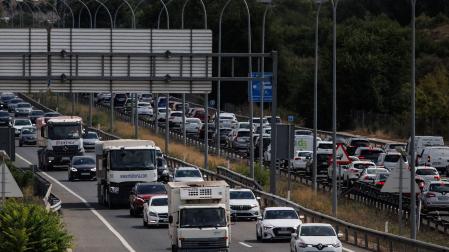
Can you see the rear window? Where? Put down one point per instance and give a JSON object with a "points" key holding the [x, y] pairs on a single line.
{"points": [[443, 187], [24, 105], [325, 146], [37, 112], [176, 114], [362, 166], [151, 189], [360, 143], [426, 172], [392, 158], [304, 154], [370, 154]]}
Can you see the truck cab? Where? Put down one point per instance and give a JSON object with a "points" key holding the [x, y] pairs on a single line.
{"points": [[60, 138], [199, 215], [120, 165]]}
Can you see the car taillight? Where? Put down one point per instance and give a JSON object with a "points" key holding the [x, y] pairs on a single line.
{"points": [[366, 177], [140, 200], [297, 158], [437, 177], [380, 183], [430, 195], [361, 157]]}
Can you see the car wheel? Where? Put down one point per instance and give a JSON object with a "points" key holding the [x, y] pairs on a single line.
{"points": [[131, 211], [145, 223], [174, 248], [259, 237], [70, 177], [20, 144]]}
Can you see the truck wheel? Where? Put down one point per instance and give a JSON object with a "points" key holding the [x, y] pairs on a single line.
{"points": [[174, 248], [70, 177], [20, 144]]}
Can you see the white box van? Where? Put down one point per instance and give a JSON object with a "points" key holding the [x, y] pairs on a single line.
{"points": [[435, 156], [422, 142]]}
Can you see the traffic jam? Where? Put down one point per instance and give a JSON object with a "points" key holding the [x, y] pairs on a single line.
{"points": [[197, 212]]}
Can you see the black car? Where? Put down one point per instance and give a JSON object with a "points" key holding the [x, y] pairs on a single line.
{"points": [[35, 114], [5, 118], [82, 167], [163, 174], [120, 100]]}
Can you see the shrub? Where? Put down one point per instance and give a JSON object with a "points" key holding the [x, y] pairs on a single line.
{"points": [[261, 174], [29, 227]]}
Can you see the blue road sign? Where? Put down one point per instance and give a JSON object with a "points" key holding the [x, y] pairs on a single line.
{"points": [[255, 85], [291, 118]]}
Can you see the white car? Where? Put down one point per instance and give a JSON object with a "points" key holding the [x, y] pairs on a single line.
{"points": [[244, 204], [144, 108], [175, 119], [300, 160], [369, 174], [277, 223], [193, 125], [324, 147], [315, 237], [187, 174], [228, 120], [155, 211], [256, 123], [427, 174], [354, 169], [89, 140], [391, 160], [22, 109], [20, 123], [161, 113]]}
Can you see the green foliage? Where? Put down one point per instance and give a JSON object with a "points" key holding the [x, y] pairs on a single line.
{"points": [[23, 179], [261, 174], [29, 227]]}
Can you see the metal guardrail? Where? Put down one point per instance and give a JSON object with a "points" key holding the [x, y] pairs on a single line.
{"points": [[248, 182]]}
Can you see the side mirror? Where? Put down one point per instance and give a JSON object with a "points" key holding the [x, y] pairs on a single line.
{"points": [[170, 219], [257, 198], [301, 217], [340, 235], [294, 235]]}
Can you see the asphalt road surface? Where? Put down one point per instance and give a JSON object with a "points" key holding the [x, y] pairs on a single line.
{"points": [[96, 228]]}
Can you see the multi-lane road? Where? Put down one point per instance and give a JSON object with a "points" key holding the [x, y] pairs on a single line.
{"points": [[96, 228]]}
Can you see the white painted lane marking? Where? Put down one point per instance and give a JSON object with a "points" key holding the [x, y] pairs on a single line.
{"points": [[348, 250], [246, 245], [99, 216]]}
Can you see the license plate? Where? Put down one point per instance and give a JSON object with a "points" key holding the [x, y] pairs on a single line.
{"points": [[163, 220], [284, 232], [85, 173], [443, 197]]}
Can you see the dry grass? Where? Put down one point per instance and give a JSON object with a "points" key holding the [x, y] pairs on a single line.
{"points": [[348, 210], [380, 134]]}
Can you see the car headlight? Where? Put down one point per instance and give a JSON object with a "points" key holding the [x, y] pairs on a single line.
{"points": [[302, 245], [254, 205], [153, 214], [336, 245], [73, 169], [114, 189], [93, 169], [165, 172], [267, 227]]}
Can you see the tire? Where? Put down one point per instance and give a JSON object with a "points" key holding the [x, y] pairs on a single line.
{"points": [[110, 204], [20, 144], [145, 224], [174, 248], [71, 177], [259, 238]]}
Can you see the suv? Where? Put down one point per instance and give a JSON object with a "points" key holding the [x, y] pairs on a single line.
{"points": [[368, 153], [435, 156], [244, 204], [120, 100], [142, 192]]}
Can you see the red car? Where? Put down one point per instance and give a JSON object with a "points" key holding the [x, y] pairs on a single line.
{"points": [[142, 192]]}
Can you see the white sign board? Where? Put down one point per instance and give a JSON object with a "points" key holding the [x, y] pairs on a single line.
{"points": [[393, 181], [341, 153]]}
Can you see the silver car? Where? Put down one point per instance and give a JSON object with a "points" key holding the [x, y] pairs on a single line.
{"points": [[89, 140], [28, 135], [435, 196]]}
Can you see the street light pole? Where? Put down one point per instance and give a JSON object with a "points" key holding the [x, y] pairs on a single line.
{"points": [[334, 107], [315, 97], [412, 137]]}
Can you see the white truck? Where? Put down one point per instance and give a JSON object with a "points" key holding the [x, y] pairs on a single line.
{"points": [[422, 142], [60, 138], [303, 143], [199, 215], [120, 165]]}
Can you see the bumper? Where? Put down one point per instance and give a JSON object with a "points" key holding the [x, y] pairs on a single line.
{"points": [[327, 249], [88, 146], [29, 141], [206, 244], [83, 174], [278, 233], [245, 213], [156, 221]]}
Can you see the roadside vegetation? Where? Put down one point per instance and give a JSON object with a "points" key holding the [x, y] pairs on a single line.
{"points": [[348, 210]]}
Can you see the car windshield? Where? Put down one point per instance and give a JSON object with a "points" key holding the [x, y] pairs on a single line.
{"points": [[4, 114], [151, 189], [202, 217], [225, 131], [370, 154], [64, 132], [442, 187], [91, 135], [374, 171], [241, 195], [51, 114], [243, 134], [322, 158], [426, 172], [187, 173], [159, 202], [161, 110], [24, 105], [84, 161], [26, 131], [397, 146], [394, 158], [281, 214], [317, 231], [128, 160], [303, 132], [143, 104], [304, 154], [244, 125], [22, 122], [360, 143], [37, 112]]}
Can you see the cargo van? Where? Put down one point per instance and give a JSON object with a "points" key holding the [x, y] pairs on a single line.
{"points": [[435, 156], [422, 142]]}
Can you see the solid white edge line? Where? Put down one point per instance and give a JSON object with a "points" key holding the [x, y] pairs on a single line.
{"points": [[99, 216], [347, 250], [246, 245]]}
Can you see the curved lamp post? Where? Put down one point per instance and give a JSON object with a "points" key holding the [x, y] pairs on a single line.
{"points": [[217, 118], [133, 21], [203, 6], [113, 25], [164, 5]]}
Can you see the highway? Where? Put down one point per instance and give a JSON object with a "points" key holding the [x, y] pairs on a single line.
{"points": [[96, 228]]}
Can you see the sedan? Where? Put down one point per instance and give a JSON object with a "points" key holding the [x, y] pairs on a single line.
{"points": [[187, 174], [426, 174], [142, 192], [244, 204], [22, 109], [82, 167], [193, 126], [89, 140], [28, 135], [369, 174], [300, 159], [18, 124], [277, 223], [155, 211], [315, 237], [435, 196]]}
